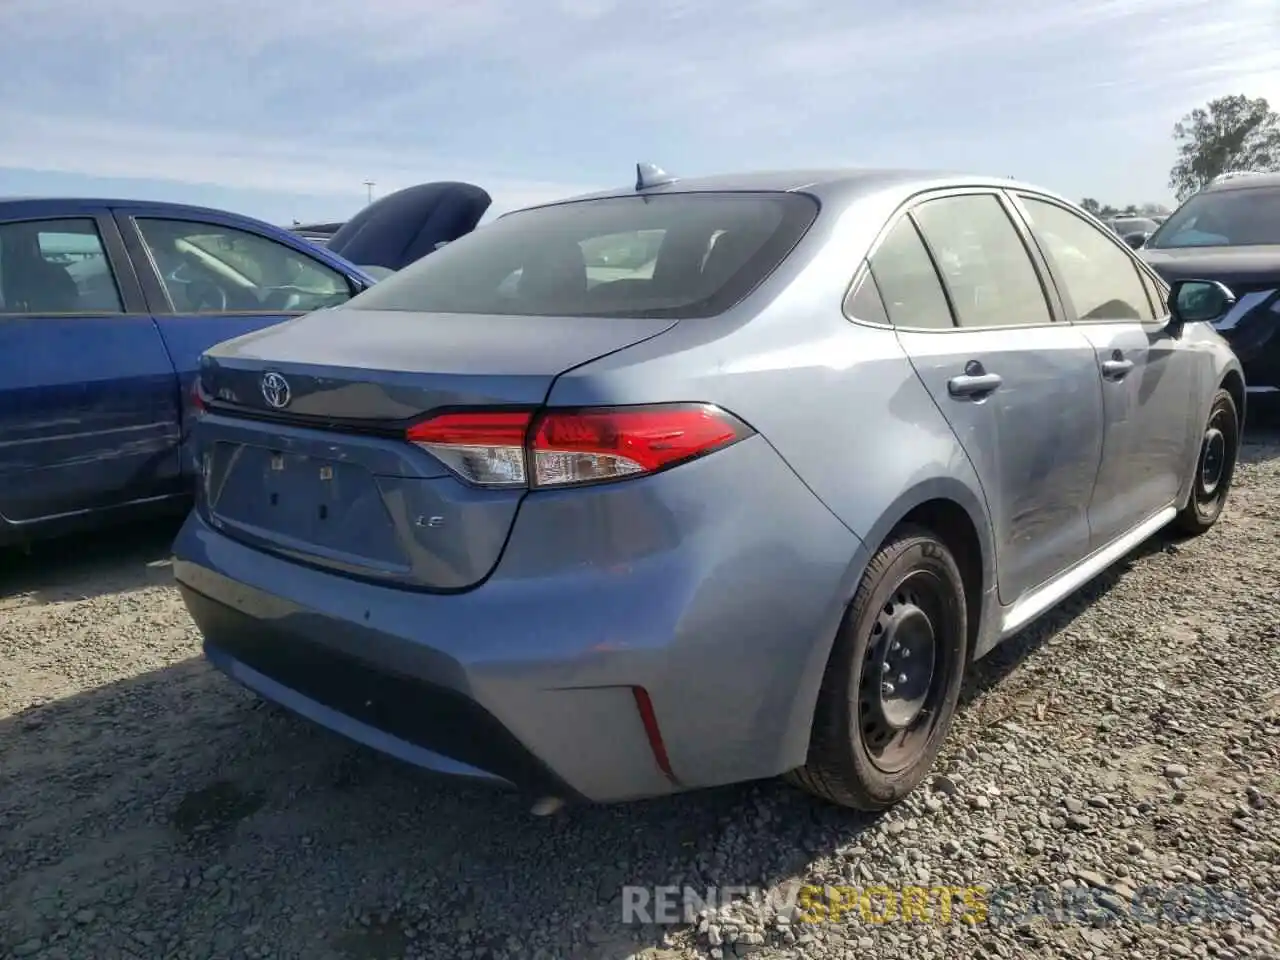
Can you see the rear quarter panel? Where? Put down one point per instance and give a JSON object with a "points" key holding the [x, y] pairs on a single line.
{"points": [[838, 402], [840, 405]]}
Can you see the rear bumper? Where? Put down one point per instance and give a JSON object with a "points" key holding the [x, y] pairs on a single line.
{"points": [[404, 716], [721, 608]]}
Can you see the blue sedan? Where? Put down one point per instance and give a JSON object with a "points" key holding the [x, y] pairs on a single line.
{"points": [[105, 309], [701, 481]]}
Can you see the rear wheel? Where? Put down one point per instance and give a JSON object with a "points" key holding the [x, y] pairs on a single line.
{"points": [[1215, 468], [892, 682]]}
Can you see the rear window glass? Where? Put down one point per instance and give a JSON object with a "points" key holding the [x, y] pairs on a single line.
{"points": [[678, 256]]}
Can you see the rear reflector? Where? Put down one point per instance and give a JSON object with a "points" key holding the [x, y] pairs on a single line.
{"points": [[649, 717], [559, 448]]}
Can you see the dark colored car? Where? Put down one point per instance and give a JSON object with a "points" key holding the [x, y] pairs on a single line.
{"points": [[405, 226], [105, 309], [1133, 230], [1127, 225], [1230, 232]]}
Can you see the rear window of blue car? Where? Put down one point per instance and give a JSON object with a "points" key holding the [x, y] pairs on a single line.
{"points": [[679, 255]]}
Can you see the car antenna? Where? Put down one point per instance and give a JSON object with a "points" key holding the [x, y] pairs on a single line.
{"points": [[651, 175]]}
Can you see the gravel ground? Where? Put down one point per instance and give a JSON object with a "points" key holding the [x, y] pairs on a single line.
{"points": [[1128, 746]]}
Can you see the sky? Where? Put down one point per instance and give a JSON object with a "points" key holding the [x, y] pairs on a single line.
{"points": [[283, 110]]}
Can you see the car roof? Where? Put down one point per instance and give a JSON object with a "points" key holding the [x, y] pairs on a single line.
{"points": [[1244, 181], [37, 205], [838, 184]]}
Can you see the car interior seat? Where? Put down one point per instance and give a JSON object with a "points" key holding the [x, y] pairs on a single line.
{"points": [[38, 286], [728, 254], [555, 274]]}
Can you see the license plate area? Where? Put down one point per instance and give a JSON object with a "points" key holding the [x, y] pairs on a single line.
{"points": [[302, 501], [302, 492]]}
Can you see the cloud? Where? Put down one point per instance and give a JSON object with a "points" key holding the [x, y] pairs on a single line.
{"points": [[541, 99], [110, 149]]}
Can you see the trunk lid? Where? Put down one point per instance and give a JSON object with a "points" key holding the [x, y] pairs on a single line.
{"points": [[303, 452], [394, 231], [381, 366]]}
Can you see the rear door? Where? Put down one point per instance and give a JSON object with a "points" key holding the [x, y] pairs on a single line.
{"points": [[1018, 386], [1150, 380], [212, 278], [88, 398]]}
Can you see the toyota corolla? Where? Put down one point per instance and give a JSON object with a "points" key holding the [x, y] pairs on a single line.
{"points": [[699, 481]]}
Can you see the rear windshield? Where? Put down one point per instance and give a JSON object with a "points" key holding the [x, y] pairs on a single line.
{"points": [[678, 256]]}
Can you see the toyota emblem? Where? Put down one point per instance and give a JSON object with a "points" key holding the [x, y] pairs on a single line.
{"points": [[275, 390]]}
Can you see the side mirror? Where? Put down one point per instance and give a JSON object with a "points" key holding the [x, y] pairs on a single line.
{"points": [[1137, 240], [1198, 301]]}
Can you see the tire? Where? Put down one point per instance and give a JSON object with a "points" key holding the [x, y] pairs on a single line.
{"points": [[912, 576], [1215, 467]]}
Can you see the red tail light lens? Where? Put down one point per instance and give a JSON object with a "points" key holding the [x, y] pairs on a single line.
{"points": [[197, 397], [558, 448], [588, 446]]}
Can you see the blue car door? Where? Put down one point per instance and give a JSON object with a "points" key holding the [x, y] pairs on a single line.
{"points": [[209, 277], [89, 415]]}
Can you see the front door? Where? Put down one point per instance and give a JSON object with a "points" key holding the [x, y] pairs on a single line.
{"points": [[1147, 377], [1018, 387]]}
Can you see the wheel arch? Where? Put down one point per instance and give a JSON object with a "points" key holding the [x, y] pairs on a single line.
{"points": [[957, 513], [1233, 382], [952, 524], [1225, 376]]}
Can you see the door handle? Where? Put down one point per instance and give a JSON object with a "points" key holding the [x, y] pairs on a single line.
{"points": [[974, 386], [1116, 369]]}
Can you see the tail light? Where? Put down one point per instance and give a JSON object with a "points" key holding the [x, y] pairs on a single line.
{"points": [[560, 448], [197, 397]]}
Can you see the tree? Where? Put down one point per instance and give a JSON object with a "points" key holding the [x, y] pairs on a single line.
{"points": [[1229, 133], [1091, 206]]}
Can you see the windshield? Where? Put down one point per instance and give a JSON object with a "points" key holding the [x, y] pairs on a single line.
{"points": [[676, 255], [1247, 216]]}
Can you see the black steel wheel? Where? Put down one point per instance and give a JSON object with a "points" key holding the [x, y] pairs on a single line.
{"points": [[893, 679], [900, 688], [1215, 467]]}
